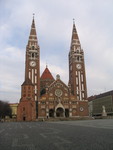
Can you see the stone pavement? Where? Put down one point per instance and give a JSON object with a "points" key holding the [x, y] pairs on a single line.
{"points": [[61, 135], [99, 123]]}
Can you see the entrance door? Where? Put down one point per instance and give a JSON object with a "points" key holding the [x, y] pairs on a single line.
{"points": [[51, 113], [60, 112], [67, 112], [24, 118]]}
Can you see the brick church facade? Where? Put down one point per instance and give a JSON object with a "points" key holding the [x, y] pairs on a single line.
{"points": [[45, 97]]}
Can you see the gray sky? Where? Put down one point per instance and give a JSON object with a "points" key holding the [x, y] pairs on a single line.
{"points": [[54, 20]]}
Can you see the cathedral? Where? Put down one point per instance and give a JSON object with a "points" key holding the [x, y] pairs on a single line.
{"points": [[48, 97]]}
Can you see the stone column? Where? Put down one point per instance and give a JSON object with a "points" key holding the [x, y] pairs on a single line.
{"points": [[70, 112], [54, 113], [64, 113]]}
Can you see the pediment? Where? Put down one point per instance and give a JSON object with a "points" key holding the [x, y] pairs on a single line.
{"points": [[59, 106]]}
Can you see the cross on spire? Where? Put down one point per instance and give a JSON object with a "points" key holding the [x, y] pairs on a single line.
{"points": [[46, 65], [33, 15]]}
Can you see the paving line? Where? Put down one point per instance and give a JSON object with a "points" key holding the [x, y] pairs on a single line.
{"points": [[94, 126], [43, 135], [89, 125], [25, 136], [15, 143], [2, 130], [20, 125]]}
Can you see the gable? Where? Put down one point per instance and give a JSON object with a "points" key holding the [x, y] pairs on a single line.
{"points": [[58, 87], [46, 75]]}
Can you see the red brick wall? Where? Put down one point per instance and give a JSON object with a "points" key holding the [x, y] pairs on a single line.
{"points": [[26, 111], [83, 108]]}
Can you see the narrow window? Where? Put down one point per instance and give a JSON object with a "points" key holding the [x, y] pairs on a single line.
{"points": [[32, 55]]}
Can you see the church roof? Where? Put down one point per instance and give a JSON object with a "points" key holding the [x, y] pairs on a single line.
{"points": [[47, 74], [27, 82]]}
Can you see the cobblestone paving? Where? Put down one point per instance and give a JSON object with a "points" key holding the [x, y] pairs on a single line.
{"points": [[65, 135]]}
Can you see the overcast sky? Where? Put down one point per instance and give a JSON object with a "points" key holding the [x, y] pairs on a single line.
{"points": [[54, 20]]}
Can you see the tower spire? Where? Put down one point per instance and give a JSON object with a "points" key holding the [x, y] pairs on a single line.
{"points": [[74, 28], [75, 39], [33, 22], [33, 15], [33, 35]]}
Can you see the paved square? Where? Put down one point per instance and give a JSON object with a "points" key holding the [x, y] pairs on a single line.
{"points": [[62, 135]]}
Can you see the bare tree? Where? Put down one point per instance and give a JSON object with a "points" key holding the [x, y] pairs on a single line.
{"points": [[5, 109]]}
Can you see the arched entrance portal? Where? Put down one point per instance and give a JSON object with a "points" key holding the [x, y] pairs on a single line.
{"points": [[59, 112], [51, 113]]}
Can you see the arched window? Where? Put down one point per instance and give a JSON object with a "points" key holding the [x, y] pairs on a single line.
{"points": [[78, 58], [33, 55], [33, 47]]}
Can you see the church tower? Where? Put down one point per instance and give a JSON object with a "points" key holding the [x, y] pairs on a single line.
{"points": [[32, 66], [77, 76]]}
